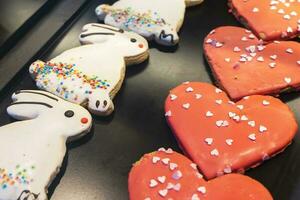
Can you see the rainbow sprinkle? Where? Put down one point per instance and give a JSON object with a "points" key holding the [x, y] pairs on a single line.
{"points": [[129, 17], [19, 176]]}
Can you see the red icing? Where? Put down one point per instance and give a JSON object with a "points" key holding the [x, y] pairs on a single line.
{"points": [[265, 18], [192, 127], [240, 78], [228, 187]]}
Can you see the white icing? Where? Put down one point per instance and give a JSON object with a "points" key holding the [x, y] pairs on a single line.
{"points": [[101, 61], [34, 149], [160, 16]]}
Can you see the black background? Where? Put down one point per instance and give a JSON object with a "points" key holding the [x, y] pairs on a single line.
{"points": [[97, 166]]}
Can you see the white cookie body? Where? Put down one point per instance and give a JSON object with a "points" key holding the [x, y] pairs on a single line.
{"points": [[92, 74], [149, 18], [34, 149]]}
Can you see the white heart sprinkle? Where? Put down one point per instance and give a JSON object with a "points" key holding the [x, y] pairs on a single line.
{"points": [[289, 29], [153, 183], [288, 80], [231, 114], [286, 17], [155, 159], [273, 57], [201, 189], [200, 176], [208, 41], [219, 101], [162, 149], [219, 44], [214, 152], [147, 198], [265, 102], [227, 170], [173, 97], [246, 97], [189, 89], [173, 166], [209, 141], [244, 118], [281, 11], [166, 161], [227, 59], [209, 114], [255, 10], [229, 141], [177, 175], [168, 113], [218, 90], [262, 128], [161, 179], [177, 187], [237, 118], [169, 151], [252, 137], [251, 36], [198, 96], [251, 123], [260, 59], [195, 197], [236, 49], [298, 62], [194, 166], [241, 107], [185, 83], [294, 13], [244, 38], [186, 105], [163, 192], [289, 50], [170, 186], [272, 65]]}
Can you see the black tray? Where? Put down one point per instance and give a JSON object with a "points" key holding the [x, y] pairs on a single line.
{"points": [[96, 167]]}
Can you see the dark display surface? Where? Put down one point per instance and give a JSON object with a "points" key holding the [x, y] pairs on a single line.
{"points": [[97, 166]]}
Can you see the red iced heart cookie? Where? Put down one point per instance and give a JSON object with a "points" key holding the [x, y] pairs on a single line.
{"points": [[169, 175], [222, 136], [269, 19], [243, 66]]}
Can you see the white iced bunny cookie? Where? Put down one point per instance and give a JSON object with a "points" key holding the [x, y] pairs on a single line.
{"points": [[33, 150], [92, 74], [153, 19]]}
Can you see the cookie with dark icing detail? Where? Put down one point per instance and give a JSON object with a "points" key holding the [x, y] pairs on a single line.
{"points": [[242, 65], [269, 19], [165, 174], [221, 136]]}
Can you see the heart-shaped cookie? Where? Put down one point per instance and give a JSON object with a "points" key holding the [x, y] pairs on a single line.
{"points": [[243, 66], [222, 136], [269, 19], [165, 174]]}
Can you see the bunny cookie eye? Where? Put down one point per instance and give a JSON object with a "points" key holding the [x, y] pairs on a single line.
{"points": [[104, 103], [69, 113], [133, 40]]}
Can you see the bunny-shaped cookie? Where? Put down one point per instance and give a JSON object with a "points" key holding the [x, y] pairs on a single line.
{"points": [[153, 19], [33, 149], [92, 74]]}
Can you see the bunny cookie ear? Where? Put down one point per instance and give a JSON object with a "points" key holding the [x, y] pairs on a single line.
{"points": [[98, 33], [35, 67], [29, 104], [101, 11]]}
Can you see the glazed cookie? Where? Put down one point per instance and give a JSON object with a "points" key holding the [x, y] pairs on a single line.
{"points": [[91, 75], [243, 65], [33, 151], [165, 174], [155, 19], [222, 136], [269, 19]]}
